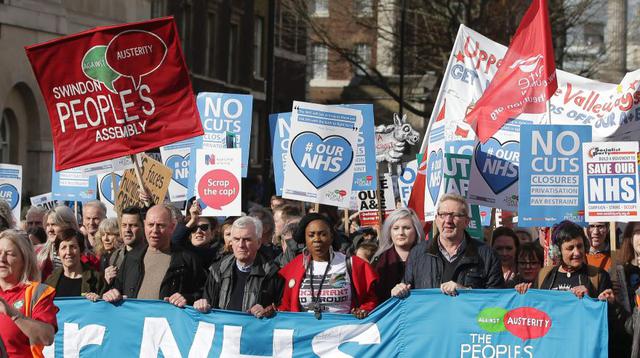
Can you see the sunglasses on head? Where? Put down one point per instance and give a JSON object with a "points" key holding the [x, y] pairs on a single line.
{"points": [[203, 227]]}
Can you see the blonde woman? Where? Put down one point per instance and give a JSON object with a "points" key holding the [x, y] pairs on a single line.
{"points": [[107, 241], [26, 328], [56, 220]]}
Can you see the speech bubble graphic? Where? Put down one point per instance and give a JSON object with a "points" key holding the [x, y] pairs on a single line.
{"points": [[9, 193], [497, 163], [94, 66], [435, 173], [135, 53], [106, 188], [527, 323], [321, 160], [491, 319], [180, 166], [218, 188]]}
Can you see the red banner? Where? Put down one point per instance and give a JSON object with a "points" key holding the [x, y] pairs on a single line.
{"points": [[526, 79], [114, 91]]}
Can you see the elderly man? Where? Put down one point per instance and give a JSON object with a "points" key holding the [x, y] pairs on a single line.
{"points": [[599, 251], [244, 281], [34, 218], [452, 260], [93, 212], [158, 270], [132, 234]]}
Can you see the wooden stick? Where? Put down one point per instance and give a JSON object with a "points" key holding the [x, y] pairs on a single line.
{"points": [[379, 197], [75, 208], [316, 207], [612, 236], [345, 220], [138, 172]]}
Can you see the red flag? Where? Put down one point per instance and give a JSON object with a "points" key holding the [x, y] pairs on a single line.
{"points": [[526, 79], [416, 198], [115, 90]]}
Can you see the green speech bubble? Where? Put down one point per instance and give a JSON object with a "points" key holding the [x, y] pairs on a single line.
{"points": [[491, 319], [95, 67]]}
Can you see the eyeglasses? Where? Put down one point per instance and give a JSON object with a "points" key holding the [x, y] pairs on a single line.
{"points": [[203, 227], [528, 263], [454, 216], [599, 227]]}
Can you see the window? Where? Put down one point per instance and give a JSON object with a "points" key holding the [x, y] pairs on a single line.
{"points": [[5, 135], [258, 45], [184, 25], [254, 148], [320, 57], [363, 8], [211, 41], [232, 60], [363, 56], [320, 8], [158, 8]]}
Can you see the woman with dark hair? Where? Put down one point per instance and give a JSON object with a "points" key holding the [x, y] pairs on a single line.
{"points": [[506, 243], [322, 279], [74, 278], [630, 260], [400, 233], [530, 261]]}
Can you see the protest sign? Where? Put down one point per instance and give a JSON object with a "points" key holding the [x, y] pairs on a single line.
{"points": [[323, 142], [500, 323], [44, 201], [177, 157], [155, 178], [457, 168], [494, 171], [73, 184], [11, 187], [279, 125], [114, 91], [364, 169], [218, 175], [368, 202], [550, 182], [106, 190], [222, 113], [406, 180], [610, 181]]}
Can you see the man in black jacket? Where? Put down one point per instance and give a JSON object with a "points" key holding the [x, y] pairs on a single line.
{"points": [[245, 281], [452, 260], [159, 270]]}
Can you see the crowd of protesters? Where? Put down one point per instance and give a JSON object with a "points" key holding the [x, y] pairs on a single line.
{"points": [[287, 258]]}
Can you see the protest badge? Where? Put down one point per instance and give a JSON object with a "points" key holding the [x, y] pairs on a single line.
{"points": [[11, 187], [109, 193], [223, 113], [73, 185], [218, 175], [475, 323], [323, 143], [551, 188], [457, 168], [494, 171], [368, 202], [44, 201], [155, 178], [405, 181], [114, 91], [611, 181], [177, 156], [280, 126]]}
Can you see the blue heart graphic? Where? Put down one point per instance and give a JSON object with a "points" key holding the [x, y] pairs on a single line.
{"points": [[107, 189], [494, 161], [321, 160], [179, 166], [434, 173]]}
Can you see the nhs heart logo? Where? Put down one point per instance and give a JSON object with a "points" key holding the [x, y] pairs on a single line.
{"points": [[498, 163], [434, 173], [321, 160], [179, 165], [106, 188]]}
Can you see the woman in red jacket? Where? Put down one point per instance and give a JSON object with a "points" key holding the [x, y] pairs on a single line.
{"points": [[322, 279]]}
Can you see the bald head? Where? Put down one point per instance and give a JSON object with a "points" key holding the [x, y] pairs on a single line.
{"points": [[159, 225]]}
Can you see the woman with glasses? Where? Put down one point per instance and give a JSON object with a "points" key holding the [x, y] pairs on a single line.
{"points": [[530, 261], [198, 236]]}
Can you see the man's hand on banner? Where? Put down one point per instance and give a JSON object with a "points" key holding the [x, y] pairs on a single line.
{"points": [[91, 296], [607, 295], [202, 305], [262, 312], [360, 313], [177, 300], [523, 287], [113, 295], [451, 288], [401, 290]]}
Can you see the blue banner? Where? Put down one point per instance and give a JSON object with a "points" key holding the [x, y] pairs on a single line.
{"points": [[279, 126], [476, 323], [551, 183]]}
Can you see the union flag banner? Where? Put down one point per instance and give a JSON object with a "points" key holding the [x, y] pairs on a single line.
{"points": [[116, 90], [526, 79]]}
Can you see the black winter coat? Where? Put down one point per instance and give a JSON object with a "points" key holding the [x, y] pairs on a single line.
{"points": [[479, 266]]}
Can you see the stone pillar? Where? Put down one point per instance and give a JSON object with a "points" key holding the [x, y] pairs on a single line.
{"points": [[615, 39], [385, 44]]}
